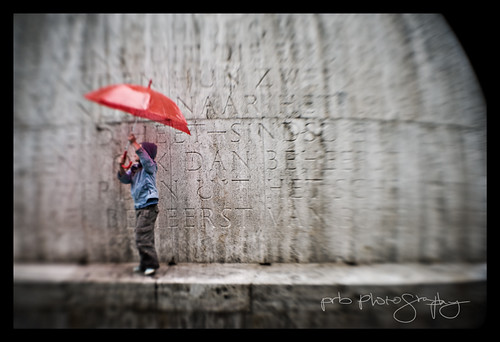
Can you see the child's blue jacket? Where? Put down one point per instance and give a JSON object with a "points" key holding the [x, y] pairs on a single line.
{"points": [[143, 189]]}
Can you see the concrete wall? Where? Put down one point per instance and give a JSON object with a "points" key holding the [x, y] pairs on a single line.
{"points": [[315, 138]]}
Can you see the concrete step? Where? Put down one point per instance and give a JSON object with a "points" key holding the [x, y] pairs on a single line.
{"points": [[250, 296]]}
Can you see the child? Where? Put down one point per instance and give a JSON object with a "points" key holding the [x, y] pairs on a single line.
{"points": [[142, 177]]}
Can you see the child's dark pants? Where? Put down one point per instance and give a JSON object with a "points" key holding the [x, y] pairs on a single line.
{"points": [[145, 236]]}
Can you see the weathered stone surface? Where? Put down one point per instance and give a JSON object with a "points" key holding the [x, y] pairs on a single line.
{"points": [[315, 138]]}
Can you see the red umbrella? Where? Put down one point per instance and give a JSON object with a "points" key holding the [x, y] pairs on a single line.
{"points": [[141, 101]]}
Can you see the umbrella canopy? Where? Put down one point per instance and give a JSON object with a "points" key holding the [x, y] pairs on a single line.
{"points": [[141, 101]]}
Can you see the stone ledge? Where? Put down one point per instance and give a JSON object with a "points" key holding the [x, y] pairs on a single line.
{"points": [[250, 296]]}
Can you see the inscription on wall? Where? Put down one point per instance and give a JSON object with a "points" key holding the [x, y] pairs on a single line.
{"points": [[259, 176], [243, 100]]}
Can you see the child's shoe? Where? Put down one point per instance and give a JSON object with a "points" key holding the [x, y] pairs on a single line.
{"points": [[137, 269], [149, 271]]}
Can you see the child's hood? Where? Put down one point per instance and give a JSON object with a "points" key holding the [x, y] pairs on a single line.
{"points": [[150, 148]]}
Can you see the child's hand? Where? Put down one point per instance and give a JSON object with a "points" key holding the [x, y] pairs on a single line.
{"points": [[132, 140], [122, 159]]}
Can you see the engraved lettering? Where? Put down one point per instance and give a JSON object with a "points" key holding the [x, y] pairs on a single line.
{"points": [[272, 159], [236, 139], [205, 196], [275, 187], [265, 129], [231, 81], [310, 132], [160, 161], [207, 83], [190, 108], [327, 133], [170, 189], [287, 100], [172, 218], [206, 214], [308, 103], [244, 208], [291, 130], [267, 84], [250, 101], [194, 130], [226, 218], [103, 187], [277, 219], [210, 111], [112, 218], [288, 75], [194, 161], [294, 188], [104, 135], [179, 137], [160, 134], [290, 160], [216, 132], [189, 216], [234, 111], [241, 159], [217, 159], [330, 160], [130, 217]]}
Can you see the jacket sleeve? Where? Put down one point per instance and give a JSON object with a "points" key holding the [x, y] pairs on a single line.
{"points": [[126, 178], [147, 163]]}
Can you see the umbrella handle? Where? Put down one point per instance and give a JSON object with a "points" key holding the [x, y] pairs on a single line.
{"points": [[126, 167], [128, 144]]}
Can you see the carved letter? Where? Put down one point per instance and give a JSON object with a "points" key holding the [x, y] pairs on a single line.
{"points": [[194, 166], [189, 216], [217, 160], [211, 83], [234, 111], [207, 217], [179, 100], [237, 133], [267, 84], [172, 217], [273, 159], [290, 159], [209, 107], [203, 197], [112, 218], [292, 131], [172, 193], [288, 75], [234, 160], [103, 186], [226, 218], [251, 99]]}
